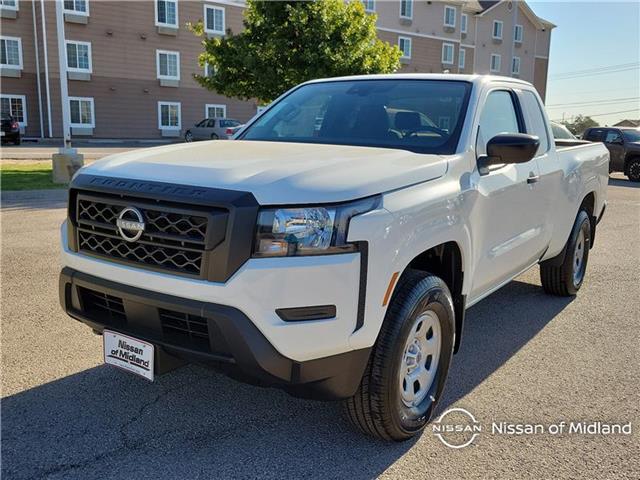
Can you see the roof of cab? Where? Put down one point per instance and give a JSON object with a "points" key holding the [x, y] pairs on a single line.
{"points": [[475, 78]]}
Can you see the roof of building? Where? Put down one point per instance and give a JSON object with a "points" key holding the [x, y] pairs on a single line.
{"points": [[487, 4], [480, 7], [628, 123]]}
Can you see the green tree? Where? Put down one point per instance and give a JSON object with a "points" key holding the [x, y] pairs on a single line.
{"points": [[580, 124], [286, 43]]}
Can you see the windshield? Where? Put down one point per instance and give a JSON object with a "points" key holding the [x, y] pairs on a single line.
{"points": [[631, 135], [423, 116]]}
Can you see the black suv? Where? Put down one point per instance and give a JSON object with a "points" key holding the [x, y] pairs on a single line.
{"points": [[624, 148], [10, 130]]}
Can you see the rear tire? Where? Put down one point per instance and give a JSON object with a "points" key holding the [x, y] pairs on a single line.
{"points": [[17, 140], [188, 137], [633, 170], [415, 342], [566, 279]]}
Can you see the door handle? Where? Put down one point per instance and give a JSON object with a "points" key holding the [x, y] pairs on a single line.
{"points": [[533, 179]]}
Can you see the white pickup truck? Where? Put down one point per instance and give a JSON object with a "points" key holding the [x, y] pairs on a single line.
{"points": [[333, 247]]}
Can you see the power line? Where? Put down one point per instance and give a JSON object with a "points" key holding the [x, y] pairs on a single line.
{"points": [[595, 102], [601, 114], [591, 74], [589, 92], [595, 69]]}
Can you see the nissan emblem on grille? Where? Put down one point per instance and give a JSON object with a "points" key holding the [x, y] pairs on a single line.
{"points": [[130, 224]]}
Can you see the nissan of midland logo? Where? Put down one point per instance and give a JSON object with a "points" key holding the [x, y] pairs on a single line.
{"points": [[130, 224]]}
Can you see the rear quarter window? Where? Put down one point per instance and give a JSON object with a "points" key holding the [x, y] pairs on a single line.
{"points": [[534, 120]]}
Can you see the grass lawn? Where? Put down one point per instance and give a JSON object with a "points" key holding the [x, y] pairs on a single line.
{"points": [[26, 176]]}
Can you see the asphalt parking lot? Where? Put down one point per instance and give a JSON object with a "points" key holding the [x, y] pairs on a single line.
{"points": [[526, 357]]}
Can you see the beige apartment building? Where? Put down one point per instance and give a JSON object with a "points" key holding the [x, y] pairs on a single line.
{"points": [[129, 65]]}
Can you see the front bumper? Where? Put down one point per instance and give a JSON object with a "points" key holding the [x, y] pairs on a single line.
{"points": [[259, 288], [233, 343]]}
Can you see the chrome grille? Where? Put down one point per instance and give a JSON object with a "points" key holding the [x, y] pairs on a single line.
{"points": [[174, 238]]}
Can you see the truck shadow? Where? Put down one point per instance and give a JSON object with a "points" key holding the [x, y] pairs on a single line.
{"points": [[195, 423]]}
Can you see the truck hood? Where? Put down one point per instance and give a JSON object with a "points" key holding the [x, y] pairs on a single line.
{"points": [[276, 172]]}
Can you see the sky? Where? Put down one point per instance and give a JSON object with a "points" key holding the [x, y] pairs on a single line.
{"points": [[590, 36]]}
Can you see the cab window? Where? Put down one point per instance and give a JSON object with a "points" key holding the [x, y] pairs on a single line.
{"points": [[595, 135], [613, 137]]}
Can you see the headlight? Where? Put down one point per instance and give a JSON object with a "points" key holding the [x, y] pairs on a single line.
{"points": [[316, 230]]}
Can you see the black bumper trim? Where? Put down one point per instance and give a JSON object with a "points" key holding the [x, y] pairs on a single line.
{"points": [[301, 314], [247, 354]]}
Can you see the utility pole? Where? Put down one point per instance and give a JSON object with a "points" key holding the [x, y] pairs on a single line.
{"points": [[67, 161], [64, 92]]}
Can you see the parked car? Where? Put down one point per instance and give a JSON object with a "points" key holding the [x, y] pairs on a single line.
{"points": [[10, 130], [231, 131], [212, 129], [623, 145], [335, 263]]}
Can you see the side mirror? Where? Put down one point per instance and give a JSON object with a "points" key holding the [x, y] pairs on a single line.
{"points": [[507, 148], [617, 141]]}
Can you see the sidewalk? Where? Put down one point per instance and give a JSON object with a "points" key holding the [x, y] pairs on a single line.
{"points": [[92, 150]]}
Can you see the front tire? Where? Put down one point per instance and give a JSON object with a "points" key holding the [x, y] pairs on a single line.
{"points": [[406, 373], [566, 278], [633, 170]]}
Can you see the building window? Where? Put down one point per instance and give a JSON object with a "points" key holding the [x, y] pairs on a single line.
{"points": [[369, 5], [78, 7], [449, 16], [497, 29], [462, 57], [11, 52], [78, 56], [167, 13], [16, 106], [9, 5], [404, 44], [517, 34], [169, 116], [81, 109], [496, 60], [464, 21], [215, 111], [168, 64], [447, 53], [214, 19], [209, 70], [406, 8], [515, 66]]}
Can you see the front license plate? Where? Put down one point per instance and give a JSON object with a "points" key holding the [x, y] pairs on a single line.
{"points": [[1, 133], [128, 353]]}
